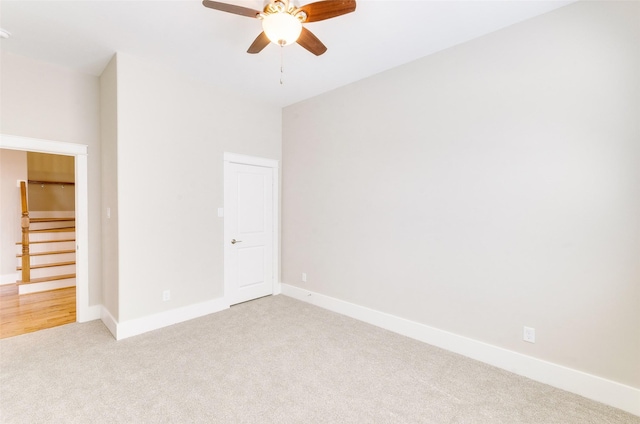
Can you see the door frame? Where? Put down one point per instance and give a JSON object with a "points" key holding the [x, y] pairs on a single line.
{"points": [[79, 152], [273, 164]]}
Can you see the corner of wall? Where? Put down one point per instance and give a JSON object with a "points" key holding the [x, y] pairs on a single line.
{"points": [[109, 203], [109, 321]]}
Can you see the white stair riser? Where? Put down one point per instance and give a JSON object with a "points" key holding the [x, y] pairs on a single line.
{"points": [[46, 285], [52, 271], [43, 242], [47, 247], [49, 259], [56, 224], [59, 235]]}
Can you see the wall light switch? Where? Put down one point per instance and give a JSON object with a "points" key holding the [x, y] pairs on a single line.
{"points": [[304, 277], [220, 212], [166, 295]]}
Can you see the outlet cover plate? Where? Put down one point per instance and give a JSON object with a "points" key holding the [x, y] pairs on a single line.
{"points": [[529, 334]]}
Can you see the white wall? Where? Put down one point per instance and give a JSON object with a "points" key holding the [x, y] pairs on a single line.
{"points": [[484, 188], [13, 167], [40, 100], [172, 132]]}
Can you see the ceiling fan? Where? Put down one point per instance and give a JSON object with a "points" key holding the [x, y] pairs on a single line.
{"points": [[282, 21]]}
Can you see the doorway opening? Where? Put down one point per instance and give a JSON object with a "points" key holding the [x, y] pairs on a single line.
{"points": [[38, 241], [78, 152]]}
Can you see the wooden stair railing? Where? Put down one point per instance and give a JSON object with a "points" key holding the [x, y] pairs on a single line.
{"points": [[24, 222]]}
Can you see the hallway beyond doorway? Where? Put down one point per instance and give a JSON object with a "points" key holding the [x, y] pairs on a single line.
{"points": [[20, 314]]}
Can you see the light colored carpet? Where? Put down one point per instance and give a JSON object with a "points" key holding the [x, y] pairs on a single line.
{"points": [[273, 360]]}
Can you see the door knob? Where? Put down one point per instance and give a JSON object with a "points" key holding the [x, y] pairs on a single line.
{"points": [[234, 241]]}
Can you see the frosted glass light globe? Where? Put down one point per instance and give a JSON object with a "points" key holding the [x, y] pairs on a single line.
{"points": [[281, 28]]}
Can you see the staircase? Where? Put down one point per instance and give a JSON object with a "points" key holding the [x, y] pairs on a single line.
{"points": [[52, 252]]}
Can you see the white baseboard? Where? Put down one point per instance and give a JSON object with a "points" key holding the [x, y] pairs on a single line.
{"points": [[46, 285], [109, 321], [9, 278], [90, 313], [590, 386], [134, 327]]}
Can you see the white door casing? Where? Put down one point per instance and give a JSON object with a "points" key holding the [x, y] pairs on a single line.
{"points": [[83, 311], [250, 227]]}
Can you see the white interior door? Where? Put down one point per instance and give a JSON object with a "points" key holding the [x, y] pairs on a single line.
{"points": [[249, 231]]}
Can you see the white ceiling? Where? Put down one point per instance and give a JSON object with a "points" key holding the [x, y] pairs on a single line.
{"points": [[211, 45]]}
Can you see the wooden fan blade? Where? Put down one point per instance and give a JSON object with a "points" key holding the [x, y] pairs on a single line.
{"points": [[311, 42], [231, 8], [322, 10], [259, 43]]}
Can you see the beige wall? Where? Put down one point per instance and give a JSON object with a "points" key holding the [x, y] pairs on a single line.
{"points": [[484, 188], [171, 135], [41, 100], [13, 167], [109, 138]]}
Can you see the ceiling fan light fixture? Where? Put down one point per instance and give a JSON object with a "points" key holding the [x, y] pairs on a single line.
{"points": [[281, 28], [282, 21]]}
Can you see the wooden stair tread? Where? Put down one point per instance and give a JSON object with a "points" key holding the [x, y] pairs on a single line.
{"points": [[18, 243], [51, 219], [52, 278], [53, 252], [49, 265], [54, 230]]}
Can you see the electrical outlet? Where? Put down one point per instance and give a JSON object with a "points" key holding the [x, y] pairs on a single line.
{"points": [[166, 295], [529, 335], [304, 277]]}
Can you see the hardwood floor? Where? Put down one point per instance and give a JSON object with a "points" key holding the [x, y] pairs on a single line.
{"points": [[20, 314]]}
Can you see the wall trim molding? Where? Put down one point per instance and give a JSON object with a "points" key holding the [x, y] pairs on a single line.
{"points": [[134, 327], [250, 160], [590, 386], [109, 321], [93, 313], [16, 142], [79, 151], [9, 278], [46, 285]]}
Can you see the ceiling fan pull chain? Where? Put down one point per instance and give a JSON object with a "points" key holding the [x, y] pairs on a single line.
{"points": [[281, 65]]}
